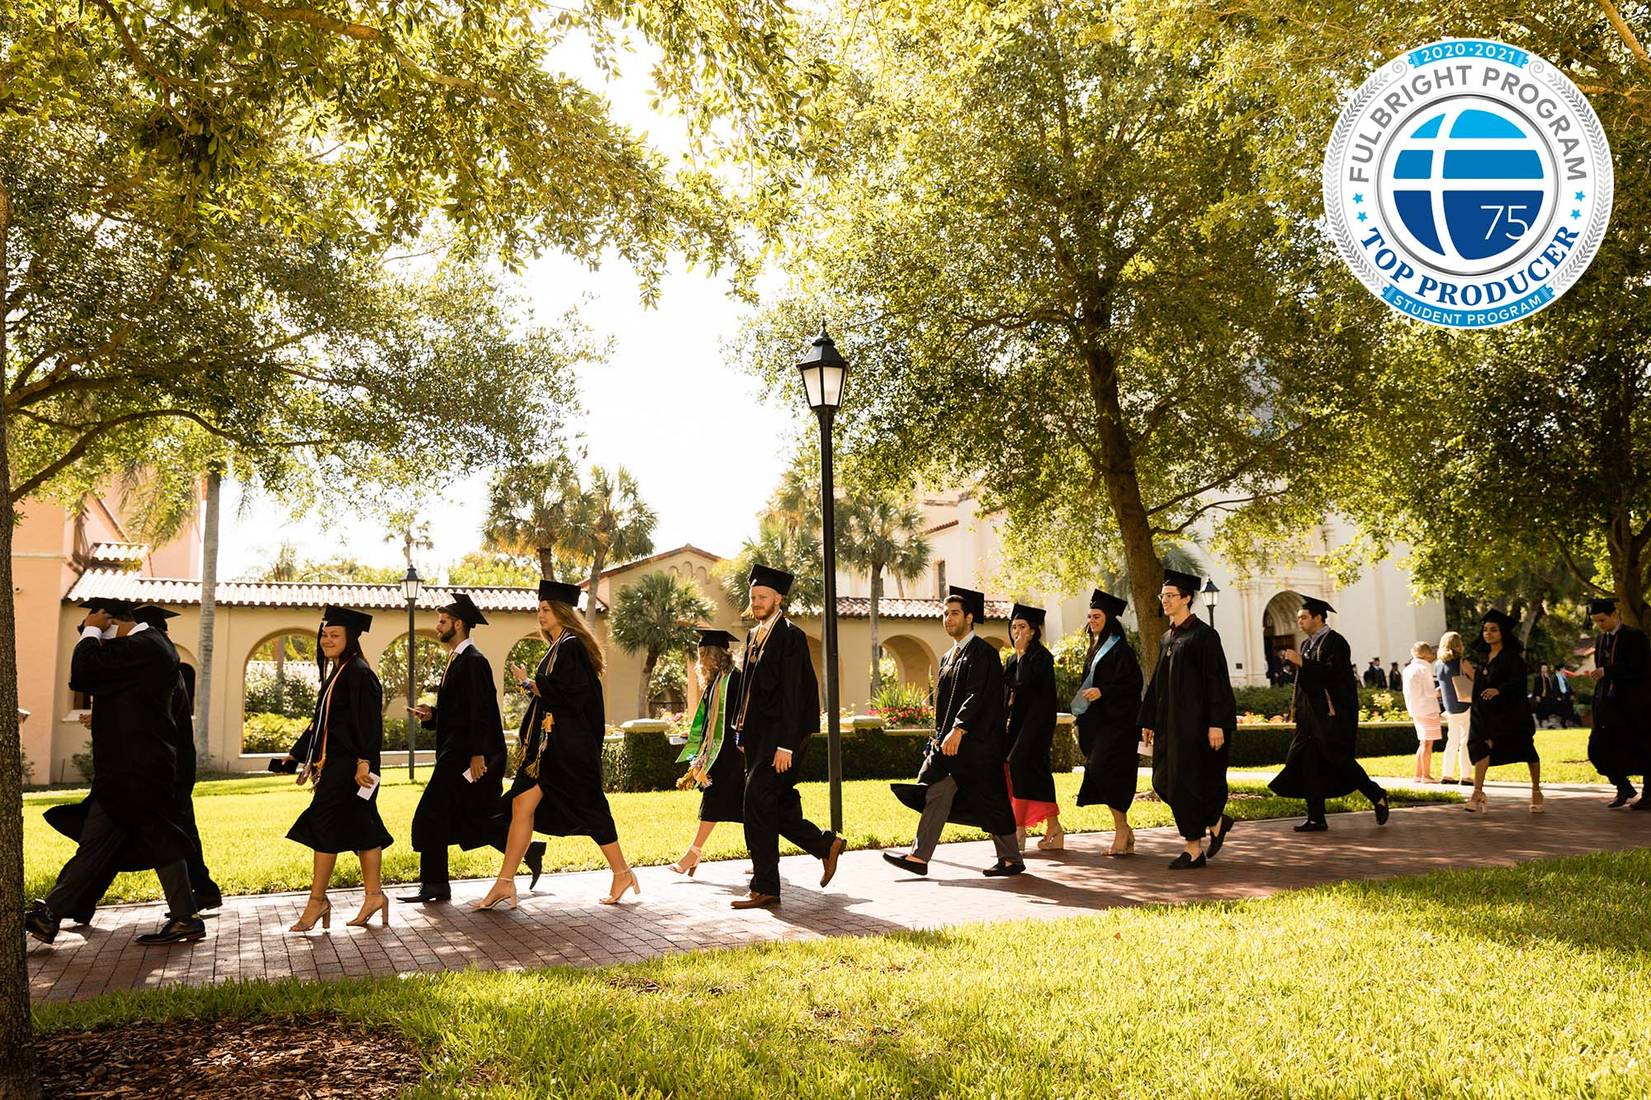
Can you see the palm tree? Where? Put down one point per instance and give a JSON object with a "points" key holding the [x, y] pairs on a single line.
{"points": [[610, 523], [656, 616], [795, 551], [881, 532], [530, 508]]}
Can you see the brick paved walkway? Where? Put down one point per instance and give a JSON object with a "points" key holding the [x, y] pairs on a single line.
{"points": [[561, 924]]}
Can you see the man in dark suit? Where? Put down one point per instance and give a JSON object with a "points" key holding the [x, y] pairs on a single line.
{"points": [[1322, 762], [779, 709], [962, 779], [1619, 745], [131, 672], [460, 803]]}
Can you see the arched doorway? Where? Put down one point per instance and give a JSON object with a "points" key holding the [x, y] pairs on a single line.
{"points": [[279, 684], [429, 662], [1278, 633], [528, 651], [914, 661]]}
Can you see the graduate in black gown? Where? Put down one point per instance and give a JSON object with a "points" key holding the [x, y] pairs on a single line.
{"points": [[778, 711], [1187, 718], [557, 789], [1108, 706], [70, 818], [715, 767], [131, 672], [1029, 702], [1501, 727], [340, 755], [1322, 762], [1619, 745], [460, 804], [963, 779]]}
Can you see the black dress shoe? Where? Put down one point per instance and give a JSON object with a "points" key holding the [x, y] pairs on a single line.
{"points": [[188, 930], [425, 894], [208, 901], [1311, 826], [905, 864], [1382, 810], [535, 860], [39, 922], [1184, 862], [1218, 839], [1004, 869], [1622, 799]]}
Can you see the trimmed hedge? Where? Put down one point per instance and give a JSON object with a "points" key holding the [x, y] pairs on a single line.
{"points": [[1260, 745]]}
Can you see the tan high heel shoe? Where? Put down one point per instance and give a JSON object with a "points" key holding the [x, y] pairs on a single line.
{"points": [[498, 899], [1537, 803], [324, 915], [1127, 850], [633, 884], [1054, 838], [691, 867], [1477, 803], [368, 908]]}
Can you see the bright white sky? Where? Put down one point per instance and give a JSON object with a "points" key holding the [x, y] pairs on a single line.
{"points": [[660, 405]]}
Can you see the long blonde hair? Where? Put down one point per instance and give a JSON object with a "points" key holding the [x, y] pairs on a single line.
{"points": [[570, 621], [1450, 646]]}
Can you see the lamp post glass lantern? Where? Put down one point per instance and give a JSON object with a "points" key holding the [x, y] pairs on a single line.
{"points": [[824, 371], [1212, 596], [411, 586]]}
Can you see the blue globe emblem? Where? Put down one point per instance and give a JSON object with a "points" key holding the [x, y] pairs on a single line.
{"points": [[1469, 185]]}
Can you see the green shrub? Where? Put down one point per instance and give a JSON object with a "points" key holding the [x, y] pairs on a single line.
{"points": [[83, 762], [1266, 701], [267, 732], [902, 705], [1257, 746], [292, 696]]}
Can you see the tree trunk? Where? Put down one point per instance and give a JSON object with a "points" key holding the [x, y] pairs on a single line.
{"points": [[596, 565], [1627, 570], [278, 648], [642, 696], [876, 645], [17, 1069], [209, 614], [547, 562], [1123, 494]]}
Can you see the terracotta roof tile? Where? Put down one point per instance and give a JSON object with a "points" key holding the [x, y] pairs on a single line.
{"points": [[163, 590]]}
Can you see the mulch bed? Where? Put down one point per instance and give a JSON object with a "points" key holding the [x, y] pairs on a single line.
{"points": [[296, 1058]]}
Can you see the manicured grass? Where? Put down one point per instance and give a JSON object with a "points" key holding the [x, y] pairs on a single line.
{"points": [[1521, 982], [244, 822], [1564, 760]]}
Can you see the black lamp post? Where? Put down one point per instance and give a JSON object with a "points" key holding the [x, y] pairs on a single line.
{"points": [[824, 372], [411, 586], [1212, 595]]}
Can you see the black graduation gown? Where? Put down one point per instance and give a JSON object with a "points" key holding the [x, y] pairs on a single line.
{"points": [[453, 810], [1322, 760], [132, 680], [570, 754], [1189, 694], [1109, 733], [968, 693], [1620, 742], [1502, 728], [349, 729], [724, 799], [779, 697], [1029, 698], [70, 818]]}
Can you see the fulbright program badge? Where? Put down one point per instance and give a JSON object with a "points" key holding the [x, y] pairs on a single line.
{"points": [[1468, 183]]}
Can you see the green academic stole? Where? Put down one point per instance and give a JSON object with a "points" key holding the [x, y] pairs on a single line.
{"points": [[708, 722]]}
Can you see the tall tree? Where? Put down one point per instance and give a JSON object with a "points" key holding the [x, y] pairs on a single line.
{"points": [[1046, 252], [782, 547], [529, 508], [656, 616], [210, 534], [882, 532], [610, 523]]}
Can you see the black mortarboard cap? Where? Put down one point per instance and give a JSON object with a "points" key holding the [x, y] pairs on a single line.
{"points": [[777, 579], [719, 639], [1186, 582], [1605, 605], [559, 592], [154, 616], [348, 618], [1315, 606], [121, 609], [1500, 618], [973, 602], [1106, 601], [464, 609], [1033, 615]]}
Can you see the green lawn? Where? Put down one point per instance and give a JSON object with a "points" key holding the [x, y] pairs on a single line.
{"points": [[1521, 982], [1564, 760], [243, 825]]}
